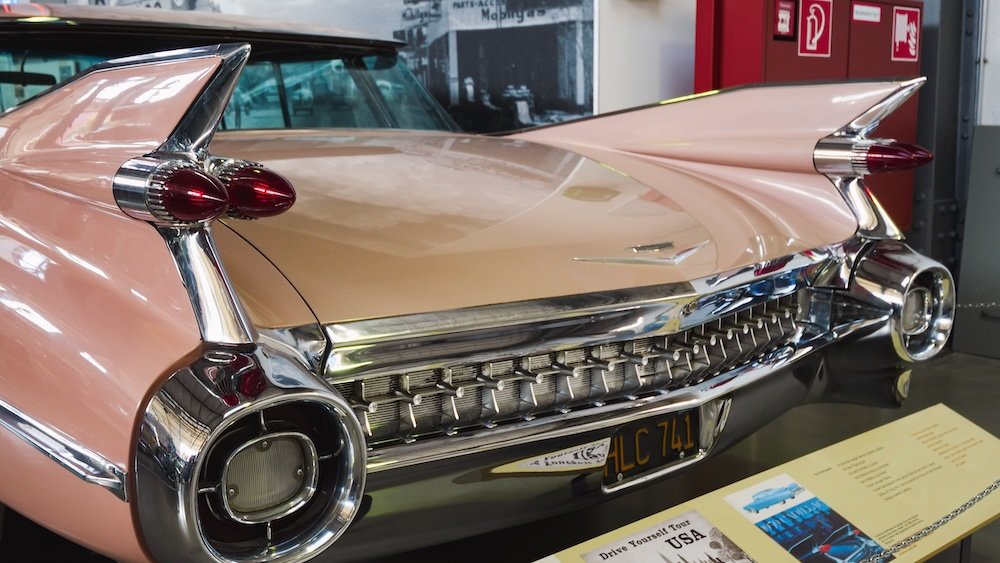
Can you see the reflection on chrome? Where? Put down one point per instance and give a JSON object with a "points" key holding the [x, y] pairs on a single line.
{"points": [[194, 428], [918, 292], [62, 449], [832, 305]]}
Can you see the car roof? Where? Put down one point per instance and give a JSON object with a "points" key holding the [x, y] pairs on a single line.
{"points": [[35, 14]]}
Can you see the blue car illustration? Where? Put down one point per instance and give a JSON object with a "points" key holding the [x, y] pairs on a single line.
{"points": [[770, 497], [847, 544]]}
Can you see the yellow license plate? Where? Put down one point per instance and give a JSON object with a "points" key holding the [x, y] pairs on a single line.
{"points": [[651, 443]]}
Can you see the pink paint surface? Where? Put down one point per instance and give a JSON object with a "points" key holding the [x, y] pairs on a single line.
{"points": [[92, 309]]}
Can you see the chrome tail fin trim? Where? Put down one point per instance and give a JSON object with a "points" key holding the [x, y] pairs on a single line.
{"points": [[58, 447], [835, 156]]}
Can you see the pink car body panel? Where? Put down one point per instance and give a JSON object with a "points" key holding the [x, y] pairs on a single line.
{"points": [[96, 292], [544, 213], [704, 170], [738, 128]]}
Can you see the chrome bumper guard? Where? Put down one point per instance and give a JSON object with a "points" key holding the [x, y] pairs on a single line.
{"points": [[837, 293], [882, 291]]}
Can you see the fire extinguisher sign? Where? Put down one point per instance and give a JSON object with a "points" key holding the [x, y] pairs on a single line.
{"points": [[815, 28], [905, 34]]}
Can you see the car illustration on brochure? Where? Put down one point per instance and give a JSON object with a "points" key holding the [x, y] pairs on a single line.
{"points": [[847, 544], [261, 300], [770, 497]]}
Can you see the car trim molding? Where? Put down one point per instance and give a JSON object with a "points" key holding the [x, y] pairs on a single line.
{"points": [[78, 460], [184, 421], [830, 310], [352, 335], [219, 313], [195, 130], [833, 157], [812, 339]]}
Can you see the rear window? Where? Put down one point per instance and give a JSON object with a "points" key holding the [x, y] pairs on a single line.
{"points": [[282, 87]]}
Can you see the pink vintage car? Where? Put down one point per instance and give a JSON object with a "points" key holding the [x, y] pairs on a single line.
{"points": [[446, 333]]}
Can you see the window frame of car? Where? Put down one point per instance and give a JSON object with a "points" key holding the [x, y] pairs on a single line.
{"points": [[117, 40]]}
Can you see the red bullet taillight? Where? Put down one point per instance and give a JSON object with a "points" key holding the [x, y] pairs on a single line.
{"points": [[841, 156], [891, 157], [181, 193], [255, 191], [188, 195], [823, 548], [171, 192]]}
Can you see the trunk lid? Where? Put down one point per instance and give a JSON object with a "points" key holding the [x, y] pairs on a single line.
{"points": [[392, 223]]}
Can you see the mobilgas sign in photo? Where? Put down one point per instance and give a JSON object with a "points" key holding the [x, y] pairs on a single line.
{"points": [[495, 13]]}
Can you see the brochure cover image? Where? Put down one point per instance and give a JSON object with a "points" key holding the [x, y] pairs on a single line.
{"points": [[802, 523], [688, 538]]}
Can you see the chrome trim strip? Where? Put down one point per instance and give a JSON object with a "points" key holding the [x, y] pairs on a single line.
{"points": [[612, 415], [841, 155], [424, 325], [219, 312], [519, 339], [218, 50], [58, 447], [377, 346], [656, 260], [194, 132], [870, 119]]}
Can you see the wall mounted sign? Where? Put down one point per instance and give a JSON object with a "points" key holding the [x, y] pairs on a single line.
{"points": [[784, 16], [905, 34], [815, 28], [862, 12]]}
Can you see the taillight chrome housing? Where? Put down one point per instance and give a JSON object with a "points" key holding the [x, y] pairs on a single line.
{"points": [[859, 156], [850, 154], [246, 456], [176, 192], [918, 292], [169, 191]]}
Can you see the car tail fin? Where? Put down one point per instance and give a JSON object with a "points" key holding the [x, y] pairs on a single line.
{"points": [[799, 128], [167, 102], [772, 126]]}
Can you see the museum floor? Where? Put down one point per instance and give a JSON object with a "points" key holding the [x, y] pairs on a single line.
{"points": [[968, 384]]}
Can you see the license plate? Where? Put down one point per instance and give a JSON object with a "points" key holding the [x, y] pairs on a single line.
{"points": [[647, 444]]}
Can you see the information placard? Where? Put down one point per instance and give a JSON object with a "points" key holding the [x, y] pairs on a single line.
{"points": [[861, 495]]}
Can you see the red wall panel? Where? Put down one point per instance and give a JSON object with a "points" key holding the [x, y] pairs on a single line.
{"points": [[736, 44]]}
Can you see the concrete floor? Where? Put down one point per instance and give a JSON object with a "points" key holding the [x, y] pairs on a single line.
{"points": [[968, 384]]}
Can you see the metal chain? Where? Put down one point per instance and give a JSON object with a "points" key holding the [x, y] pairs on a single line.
{"points": [[983, 305], [921, 534]]}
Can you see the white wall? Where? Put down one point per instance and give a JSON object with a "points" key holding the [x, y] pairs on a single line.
{"points": [[645, 51], [989, 78]]}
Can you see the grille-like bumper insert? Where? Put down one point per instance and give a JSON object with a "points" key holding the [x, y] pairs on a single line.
{"points": [[425, 402]]}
